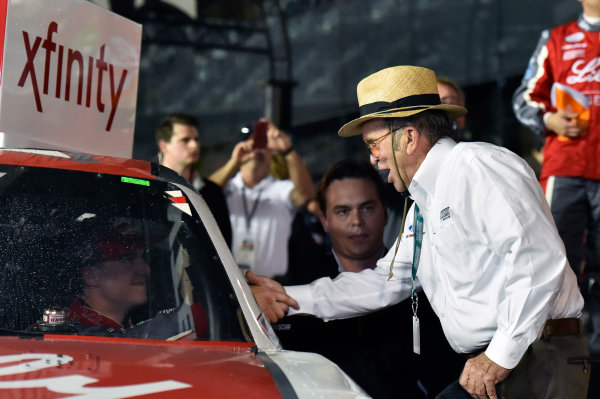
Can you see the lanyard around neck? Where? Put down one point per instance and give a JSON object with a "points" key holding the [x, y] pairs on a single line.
{"points": [[249, 215], [418, 224]]}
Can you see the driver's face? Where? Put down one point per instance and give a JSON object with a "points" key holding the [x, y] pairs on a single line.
{"points": [[123, 282]]}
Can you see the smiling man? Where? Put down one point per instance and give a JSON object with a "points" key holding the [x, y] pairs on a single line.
{"points": [[479, 240]]}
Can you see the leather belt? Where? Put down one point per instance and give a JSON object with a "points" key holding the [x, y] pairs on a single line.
{"points": [[558, 327], [552, 328]]}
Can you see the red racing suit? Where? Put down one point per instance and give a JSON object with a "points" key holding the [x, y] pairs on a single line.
{"points": [[568, 54]]}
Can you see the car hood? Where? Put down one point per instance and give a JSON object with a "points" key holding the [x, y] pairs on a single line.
{"points": [[62, 366]]}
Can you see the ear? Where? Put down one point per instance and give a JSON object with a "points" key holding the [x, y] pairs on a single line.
{"points": [[162, 146], [413, 137], [90, 276], [323, 220]]}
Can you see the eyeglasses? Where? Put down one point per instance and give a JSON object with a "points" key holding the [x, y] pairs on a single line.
{"points": [[373, 145]]}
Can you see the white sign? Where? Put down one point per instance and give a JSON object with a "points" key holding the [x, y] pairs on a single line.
{"points": [[69, 77]]}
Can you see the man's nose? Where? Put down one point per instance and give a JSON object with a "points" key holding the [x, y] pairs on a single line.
{"points": [[141, 265], [356, 217]]}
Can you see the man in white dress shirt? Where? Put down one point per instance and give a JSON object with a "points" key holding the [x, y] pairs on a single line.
{"points": [[479, 240]]}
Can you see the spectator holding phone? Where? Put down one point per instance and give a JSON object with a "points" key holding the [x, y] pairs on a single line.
{"points": [[262, 208]]}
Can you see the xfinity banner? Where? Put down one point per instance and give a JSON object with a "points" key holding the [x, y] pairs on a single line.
{"points": [[69, 77]]}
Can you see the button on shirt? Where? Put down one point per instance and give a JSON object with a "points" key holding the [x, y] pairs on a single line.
{"points": [[492, 263]]}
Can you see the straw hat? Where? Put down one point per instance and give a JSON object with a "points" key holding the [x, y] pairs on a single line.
{"points": [[397, 92]]}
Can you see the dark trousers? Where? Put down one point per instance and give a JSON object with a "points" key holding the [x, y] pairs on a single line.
{"points": [[555, 367], [575, 205]]}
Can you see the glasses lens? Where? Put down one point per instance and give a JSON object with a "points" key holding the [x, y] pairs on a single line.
{"points": [[374, 149], [369, 147]]}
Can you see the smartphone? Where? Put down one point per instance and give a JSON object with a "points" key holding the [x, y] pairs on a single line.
{"points": [[259, 134]]}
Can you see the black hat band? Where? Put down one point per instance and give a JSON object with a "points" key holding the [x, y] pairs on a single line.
{"points": [[415, 101]]}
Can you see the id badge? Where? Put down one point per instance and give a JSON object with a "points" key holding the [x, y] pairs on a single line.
{"points": [[246, 254], [416, 336]]}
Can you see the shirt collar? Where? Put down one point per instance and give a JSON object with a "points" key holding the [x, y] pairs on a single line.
{"points": [[198, 182], [587, 23], [85, 315], [423, 183], [238, 181], [341, 269]]}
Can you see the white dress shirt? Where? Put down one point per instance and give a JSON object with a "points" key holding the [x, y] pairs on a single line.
{"points": [[270, 225], [492, 263]]}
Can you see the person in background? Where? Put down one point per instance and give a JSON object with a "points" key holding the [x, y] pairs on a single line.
{"points": [[451, 93], [261, 207], [353, 212], [566, 58], [179, 149], [480, 241]]}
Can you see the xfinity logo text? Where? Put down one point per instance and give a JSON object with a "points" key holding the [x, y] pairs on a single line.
{"points": [[89, 72]]}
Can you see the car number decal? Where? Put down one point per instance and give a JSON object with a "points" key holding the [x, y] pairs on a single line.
{"points": [[73, 384]]}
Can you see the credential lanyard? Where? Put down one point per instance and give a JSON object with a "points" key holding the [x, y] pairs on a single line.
{"points": [[249, 215], [418, 224]]}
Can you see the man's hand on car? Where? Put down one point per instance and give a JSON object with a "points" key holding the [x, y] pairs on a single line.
{"points": [[271, 297]]}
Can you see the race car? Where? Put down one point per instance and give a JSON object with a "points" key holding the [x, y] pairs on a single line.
{"points": [[116, 283]]}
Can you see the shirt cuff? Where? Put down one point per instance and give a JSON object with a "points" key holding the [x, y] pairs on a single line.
{"points": [[504, 351], [545, 117], [303, 295]]}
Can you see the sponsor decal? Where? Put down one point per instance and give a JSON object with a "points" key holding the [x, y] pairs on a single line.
{"points": [[575, 37], [572, 46], [445, 214], [90, 73], [528, 72], [582, 72], [132, 180], [572, 54], [179, 201], [74, 384]]}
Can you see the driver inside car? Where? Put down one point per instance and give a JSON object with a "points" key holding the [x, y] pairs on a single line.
{"points": [[113, 281]]}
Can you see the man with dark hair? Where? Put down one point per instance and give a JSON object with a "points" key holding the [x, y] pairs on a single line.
{"points": [[351, 199], [479, 240], [179, 149]]}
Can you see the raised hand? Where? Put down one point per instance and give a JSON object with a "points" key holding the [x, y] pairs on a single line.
{"points": [[277, 140]]}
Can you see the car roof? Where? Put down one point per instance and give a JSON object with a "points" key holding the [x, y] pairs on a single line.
{"points": [[79, 162]]}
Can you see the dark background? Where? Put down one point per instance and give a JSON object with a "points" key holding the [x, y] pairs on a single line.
{"points": [[298, 61]]}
